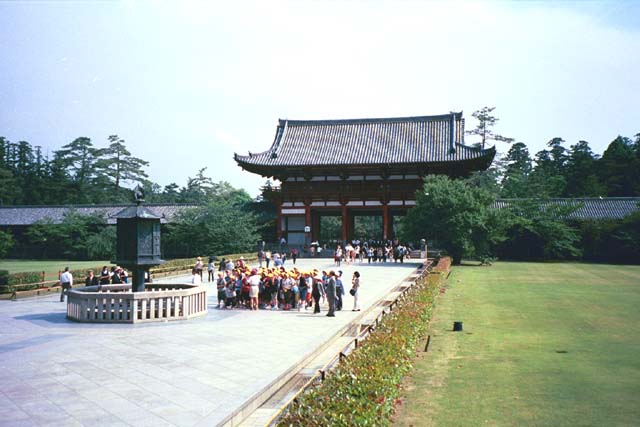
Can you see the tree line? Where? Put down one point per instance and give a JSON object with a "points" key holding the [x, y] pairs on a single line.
{"points": [[228, 220], [81, 173], [457, 215]]}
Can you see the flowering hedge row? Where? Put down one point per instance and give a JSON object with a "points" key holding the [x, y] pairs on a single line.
{"points": [[364, 387]]}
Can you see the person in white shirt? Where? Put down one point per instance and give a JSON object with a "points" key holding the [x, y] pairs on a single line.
{"points": [[254, 282], [196, 279], [66, 281]]}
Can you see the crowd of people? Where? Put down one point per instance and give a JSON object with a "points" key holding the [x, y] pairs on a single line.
{"points": [[373, 251], [108, 276], [276, 288]]}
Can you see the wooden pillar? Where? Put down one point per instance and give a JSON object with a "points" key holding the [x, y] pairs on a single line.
{"points": [[352, 226], [307, 223], [385, 221], [315, 226], [279, 223], [345, 222], [307, 215]]}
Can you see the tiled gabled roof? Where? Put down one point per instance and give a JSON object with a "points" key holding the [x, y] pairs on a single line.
{"points": [[27, 215], [405, 140], [586, 208]]}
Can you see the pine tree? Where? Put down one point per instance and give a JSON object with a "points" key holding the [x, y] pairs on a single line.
{"points": [[486, 122], [118, 165]]}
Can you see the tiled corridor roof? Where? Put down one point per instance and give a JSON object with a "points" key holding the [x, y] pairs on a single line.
{"points": [[587, 207], [27, 215]]}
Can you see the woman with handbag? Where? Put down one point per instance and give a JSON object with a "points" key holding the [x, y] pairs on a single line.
{"points": [[355, 290]]}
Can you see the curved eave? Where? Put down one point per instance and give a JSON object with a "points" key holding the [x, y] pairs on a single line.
{"points": [[281, 172]]}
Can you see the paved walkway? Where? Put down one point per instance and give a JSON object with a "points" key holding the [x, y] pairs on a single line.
{"points": [[54, 372]]}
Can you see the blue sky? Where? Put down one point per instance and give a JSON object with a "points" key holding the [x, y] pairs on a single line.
{"points": [[187, 84]]}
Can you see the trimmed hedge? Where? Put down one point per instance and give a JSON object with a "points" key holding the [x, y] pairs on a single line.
{"points": [[4, 277], [34, 278], [26, 281], [25, 278], [364, 387]]}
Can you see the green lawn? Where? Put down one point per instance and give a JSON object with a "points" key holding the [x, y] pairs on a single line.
{"points": [[51, 268], [544, 344]]}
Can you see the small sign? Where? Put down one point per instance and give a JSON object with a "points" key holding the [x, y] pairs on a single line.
{"points": [[307, 229]]}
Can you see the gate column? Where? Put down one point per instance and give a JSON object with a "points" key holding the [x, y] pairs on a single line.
{"points": [[279, 222], [345, 222], [385, 221]]}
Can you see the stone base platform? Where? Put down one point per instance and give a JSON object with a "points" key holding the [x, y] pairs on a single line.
{"points": [[118, 304]]}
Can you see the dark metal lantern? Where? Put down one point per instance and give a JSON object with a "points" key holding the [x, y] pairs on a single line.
{"points": [[138, 248]]}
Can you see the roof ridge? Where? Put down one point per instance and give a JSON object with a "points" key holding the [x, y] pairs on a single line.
{"points": [[447, 116]]}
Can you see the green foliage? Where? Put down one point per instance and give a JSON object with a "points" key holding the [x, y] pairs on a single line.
{"points": [[6, 243], [518, 170], [102, 245], [620, 168], [486, 122], [117, 164], [223, 225], [611, 241], [25, 278], [363, 389], [70, 239], [4, 277], [453, 214], [538, 231]]}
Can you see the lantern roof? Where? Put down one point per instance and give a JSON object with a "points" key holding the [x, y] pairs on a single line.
{"points": [[137, 211]]}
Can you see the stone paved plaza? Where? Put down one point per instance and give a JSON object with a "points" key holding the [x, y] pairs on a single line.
{"points": [[55, 372]]}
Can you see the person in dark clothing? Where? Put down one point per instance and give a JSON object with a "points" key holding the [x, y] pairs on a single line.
{"points": [[91, 279], [115, 276], [303, 288], [339, 290], [105, 278], [316, 293], [331, 294]]}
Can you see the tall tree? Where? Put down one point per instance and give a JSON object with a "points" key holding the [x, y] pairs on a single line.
{"points": [[581, 172], [58, 182], [558, 155], [9, 189], [79, 157], [619, 168], [455, 215], [117, 164], [544, 180], [486, 122], [490, 179], [224, 225], [518, 169]]}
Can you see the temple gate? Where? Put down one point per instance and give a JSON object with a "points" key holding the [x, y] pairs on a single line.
{"points": [[358, 167]]}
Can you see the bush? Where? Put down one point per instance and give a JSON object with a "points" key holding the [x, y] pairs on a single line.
{"points": [[25, 281], [25, 278], [612, 241], [364, 387]]}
